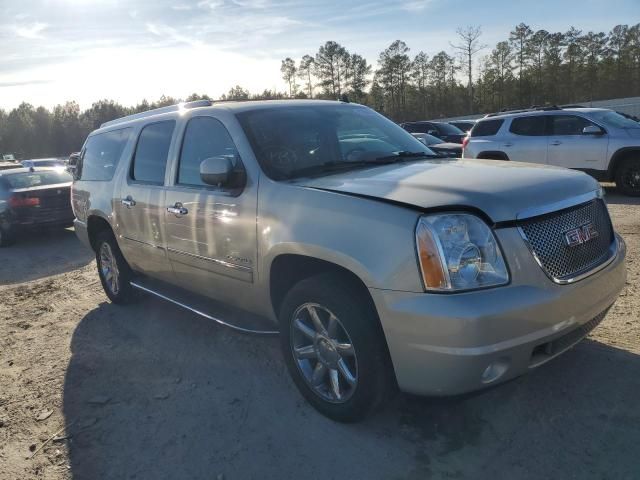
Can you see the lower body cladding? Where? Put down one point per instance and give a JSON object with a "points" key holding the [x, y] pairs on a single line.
{"points": [[448, 344]]}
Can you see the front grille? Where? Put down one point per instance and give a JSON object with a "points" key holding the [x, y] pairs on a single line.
{"points": [[546, 237]]}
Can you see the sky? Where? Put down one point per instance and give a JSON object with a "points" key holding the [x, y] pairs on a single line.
{"points": [[52, 51]]}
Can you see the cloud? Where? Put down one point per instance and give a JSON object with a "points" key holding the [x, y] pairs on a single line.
{"points": [[181, 7], [22, 83], [172, 34], [415, 5], [33, 31]]}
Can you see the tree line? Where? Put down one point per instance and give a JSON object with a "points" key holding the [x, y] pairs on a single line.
{"points": [[528, 68]]}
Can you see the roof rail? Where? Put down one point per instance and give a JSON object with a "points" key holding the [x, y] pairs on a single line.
{"points": [[157, 111], [534, 108]]}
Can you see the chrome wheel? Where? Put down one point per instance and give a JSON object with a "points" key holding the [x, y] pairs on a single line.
{"points": [[109, 268], [324, 353], [631, 178]]}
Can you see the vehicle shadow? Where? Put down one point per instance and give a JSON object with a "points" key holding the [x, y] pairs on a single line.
{"points": [[154, 392], [41, 254], [614, 197]]}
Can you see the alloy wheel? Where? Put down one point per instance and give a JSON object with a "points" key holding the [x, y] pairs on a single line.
{"points": [[324, 353], [109, 268]]}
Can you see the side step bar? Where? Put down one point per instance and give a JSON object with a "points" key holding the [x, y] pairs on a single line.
{"points": [[198, 310]]}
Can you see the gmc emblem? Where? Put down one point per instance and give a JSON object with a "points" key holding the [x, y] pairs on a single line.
{"points": [[582, 234]]}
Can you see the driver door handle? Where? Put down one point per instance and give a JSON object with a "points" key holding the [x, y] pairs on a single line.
{"points": [[177, 209], [556, 142], [128, 202]]}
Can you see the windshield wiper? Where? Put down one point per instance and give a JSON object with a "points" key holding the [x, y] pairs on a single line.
{"points": [[405, 154]]}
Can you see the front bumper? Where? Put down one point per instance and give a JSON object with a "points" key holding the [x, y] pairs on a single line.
{"points": [[82, 233], [447, 344]]}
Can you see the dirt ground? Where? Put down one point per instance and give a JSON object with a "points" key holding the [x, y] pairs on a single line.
{"points": [[90, 390]]}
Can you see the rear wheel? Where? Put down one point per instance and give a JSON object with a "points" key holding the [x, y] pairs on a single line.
{"points": [[334, 349], [628, 177], [115, 274]]}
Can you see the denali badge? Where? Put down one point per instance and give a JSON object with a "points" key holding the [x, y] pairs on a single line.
{"points": [[580, 235]]}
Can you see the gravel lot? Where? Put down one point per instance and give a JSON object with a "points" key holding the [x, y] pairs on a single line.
{"points": [[154, 392]]}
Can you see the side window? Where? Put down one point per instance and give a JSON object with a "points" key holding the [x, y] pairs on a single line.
{"points": [[204, 137], [486, 128], [150, 158], [533, 126], [101, 155], [411, 128], [568, 125]]}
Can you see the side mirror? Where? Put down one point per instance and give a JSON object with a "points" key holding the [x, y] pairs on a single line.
{"points": [[433, 132], [592, 130], [216, 170], [72, 165]]}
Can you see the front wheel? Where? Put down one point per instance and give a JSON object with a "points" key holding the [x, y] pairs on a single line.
{"points": [[628, 177], [115, 274], [334, 348]]}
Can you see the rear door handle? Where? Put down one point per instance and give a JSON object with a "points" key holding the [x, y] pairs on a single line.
{"points": [[508, 144], [556, 142], [177, 209], [128, 202]]}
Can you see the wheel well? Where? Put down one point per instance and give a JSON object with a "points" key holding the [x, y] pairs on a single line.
{"points": [[96, 225], [289, 269], [493, 155], [620, 156]]}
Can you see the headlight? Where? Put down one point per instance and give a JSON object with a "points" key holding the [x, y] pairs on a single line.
{"points": [[458, 252]]}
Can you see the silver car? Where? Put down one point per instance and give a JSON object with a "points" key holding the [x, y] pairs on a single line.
{"points": [[597, 141], [380, 266]]}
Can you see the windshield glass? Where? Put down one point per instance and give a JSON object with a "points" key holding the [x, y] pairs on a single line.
{"points": [[37, 179], [615, 120], [289, 142], [449, 129]]}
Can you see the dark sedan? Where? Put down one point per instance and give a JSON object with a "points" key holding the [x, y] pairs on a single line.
{"points": [[464, 125], [441, 148], [32, 198], [442, 130]]}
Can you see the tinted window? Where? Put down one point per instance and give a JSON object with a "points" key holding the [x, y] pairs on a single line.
{"points": [[568, 125], [150, 160], [529, 126], [101, 155], [205, 137], [413, 128], [296, 141], [36, 179], [446, 129], [486, 128]]}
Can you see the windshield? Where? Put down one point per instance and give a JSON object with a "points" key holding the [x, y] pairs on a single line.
{"points": [[613, 119], [37, 179], [448, 129], [289, 142]]}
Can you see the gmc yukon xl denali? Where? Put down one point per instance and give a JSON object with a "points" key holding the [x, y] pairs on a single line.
{"points": [[380, 265]]}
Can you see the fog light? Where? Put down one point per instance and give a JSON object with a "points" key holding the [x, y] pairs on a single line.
{"points": [[495, 370]]}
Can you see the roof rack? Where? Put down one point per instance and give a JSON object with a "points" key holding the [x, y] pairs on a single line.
{"points": [[534, 108], [157, 111]]}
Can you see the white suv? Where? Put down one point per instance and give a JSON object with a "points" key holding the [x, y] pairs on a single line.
{"points": [[597, 141]]}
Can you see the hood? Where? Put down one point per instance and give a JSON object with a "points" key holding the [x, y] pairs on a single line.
{"points": [[448, 146], [502, 190], [633, 132]]}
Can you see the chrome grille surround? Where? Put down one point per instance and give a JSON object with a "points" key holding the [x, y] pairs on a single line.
{"points": [[564, 264]]}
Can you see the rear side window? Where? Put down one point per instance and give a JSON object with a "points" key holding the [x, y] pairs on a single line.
{"points": [[486, 128], [413, 128], [528, 126], [205, 137], [152, 151], [101, 155]]}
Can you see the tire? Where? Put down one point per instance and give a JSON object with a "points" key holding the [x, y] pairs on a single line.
{"points": [[627, 177], [6, 237], [367, 381], [110, 261]]}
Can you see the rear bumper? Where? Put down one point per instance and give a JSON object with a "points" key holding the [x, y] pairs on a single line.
{"points": [[456, 343], [82, 233]]}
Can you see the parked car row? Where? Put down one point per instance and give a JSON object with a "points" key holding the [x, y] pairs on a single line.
{"points": [[598, 141]]}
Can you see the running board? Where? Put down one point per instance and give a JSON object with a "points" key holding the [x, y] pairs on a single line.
{"points": [[250, 323]]}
